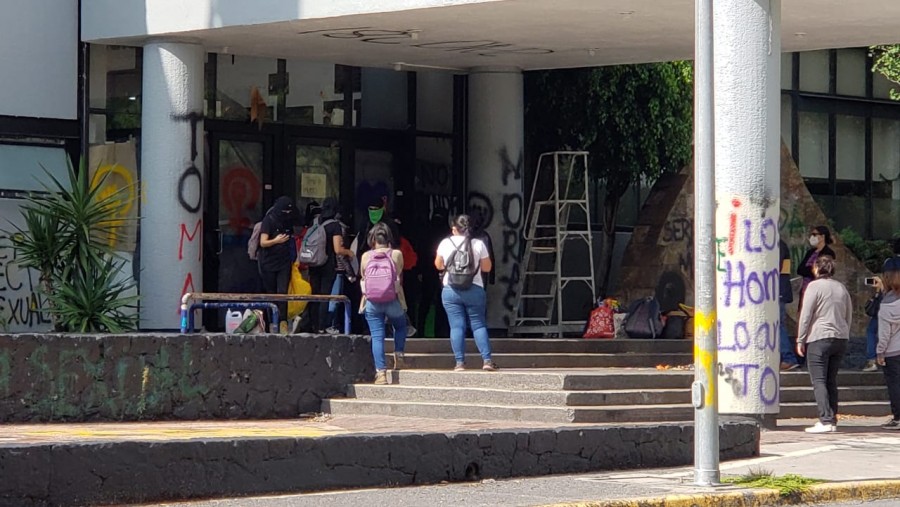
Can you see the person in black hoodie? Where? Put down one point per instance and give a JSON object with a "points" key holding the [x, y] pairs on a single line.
{"points": [[275, 251]]}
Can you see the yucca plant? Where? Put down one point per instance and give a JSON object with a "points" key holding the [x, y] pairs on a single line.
{"points": [[64, 238]]}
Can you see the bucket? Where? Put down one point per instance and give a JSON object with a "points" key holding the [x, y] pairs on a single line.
{"points": [[233, 319]]}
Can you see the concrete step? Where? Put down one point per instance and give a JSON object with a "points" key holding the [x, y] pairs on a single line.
{"points": [[799, 378], [849, 393], [558, 398], [862, 408], [548, 379], [595, 379], [547, 360], [552, 414], [545, 345]]}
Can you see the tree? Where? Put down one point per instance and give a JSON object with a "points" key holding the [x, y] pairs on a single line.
{"points": [[634, 120], [886, 61]]}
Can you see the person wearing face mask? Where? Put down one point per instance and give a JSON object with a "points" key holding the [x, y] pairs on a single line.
{"points": [[275, 251], [819, 239]]}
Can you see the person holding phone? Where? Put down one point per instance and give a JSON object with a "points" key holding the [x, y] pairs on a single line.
{"points": [[275, 253], [872, 307]]}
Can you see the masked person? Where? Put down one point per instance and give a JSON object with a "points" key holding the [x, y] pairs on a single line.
{"points": [[819, 239], [274, 254]]}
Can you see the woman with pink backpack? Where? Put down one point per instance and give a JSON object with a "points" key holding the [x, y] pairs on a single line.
{"points": [[382, 271]]}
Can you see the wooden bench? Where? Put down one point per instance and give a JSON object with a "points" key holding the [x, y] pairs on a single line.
{"points": [[216, 300]]}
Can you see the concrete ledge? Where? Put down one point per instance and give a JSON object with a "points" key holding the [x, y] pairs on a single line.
{"points": [[816, 494], [49, 473]]}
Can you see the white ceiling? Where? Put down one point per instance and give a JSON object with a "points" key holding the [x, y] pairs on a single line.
{"points": [[536, 34]]}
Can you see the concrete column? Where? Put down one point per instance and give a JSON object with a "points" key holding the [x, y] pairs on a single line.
{"points": [[494, 179], [747, 163], [171, 180]]}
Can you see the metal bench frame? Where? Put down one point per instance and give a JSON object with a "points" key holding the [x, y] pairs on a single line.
{"points": [[210, 300]]}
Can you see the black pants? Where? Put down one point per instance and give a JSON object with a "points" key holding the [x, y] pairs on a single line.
{"points": [[892, 379], [276, 282], [823, 358], [321, 279]]}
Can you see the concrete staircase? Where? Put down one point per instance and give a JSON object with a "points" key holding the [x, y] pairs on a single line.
{"points": [[572, 381]]}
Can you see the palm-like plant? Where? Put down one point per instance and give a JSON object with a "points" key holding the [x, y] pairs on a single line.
{"points": [[64, 238]]}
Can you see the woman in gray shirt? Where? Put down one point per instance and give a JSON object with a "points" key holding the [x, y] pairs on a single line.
{"points": [[824, 330], [888, 349]]}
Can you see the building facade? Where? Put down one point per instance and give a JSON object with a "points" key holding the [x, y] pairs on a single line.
{"points": [[214, 108]]}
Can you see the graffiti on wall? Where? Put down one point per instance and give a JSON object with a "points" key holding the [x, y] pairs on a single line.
{"points": [[409, 38], [21, 301], [241, 194], [189, 191], [748, 318], [114, 171], [69, 381], [502, 215]]}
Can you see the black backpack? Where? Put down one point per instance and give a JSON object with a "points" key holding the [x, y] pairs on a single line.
{"points": [[644, 319], [461, 265]]}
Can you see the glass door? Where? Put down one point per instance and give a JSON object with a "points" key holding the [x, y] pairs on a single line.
{"points": [[316, 171], [240, 174]]}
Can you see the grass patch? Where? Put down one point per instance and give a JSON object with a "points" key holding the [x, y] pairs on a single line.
{"points": [[787, 485]]}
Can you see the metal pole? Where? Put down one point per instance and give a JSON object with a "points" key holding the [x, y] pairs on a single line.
{"points": [[703, 391]]}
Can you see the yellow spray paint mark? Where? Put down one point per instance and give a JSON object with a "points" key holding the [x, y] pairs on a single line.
{"points": [[118, 185], [705, 324]]}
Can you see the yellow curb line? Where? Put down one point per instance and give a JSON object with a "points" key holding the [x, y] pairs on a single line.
{"points": [[818, 493]]}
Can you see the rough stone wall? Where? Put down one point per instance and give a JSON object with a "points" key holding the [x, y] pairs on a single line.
{"points": [[55, 377], [94, 474], [659, 260]]}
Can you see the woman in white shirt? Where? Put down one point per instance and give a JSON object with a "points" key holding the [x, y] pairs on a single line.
{"points": [[463, 260]]}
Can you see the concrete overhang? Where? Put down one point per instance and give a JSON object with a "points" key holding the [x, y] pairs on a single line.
{"points": [[460, 34]]}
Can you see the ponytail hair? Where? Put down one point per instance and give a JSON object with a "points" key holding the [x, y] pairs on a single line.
{"points": [[461, 223]]}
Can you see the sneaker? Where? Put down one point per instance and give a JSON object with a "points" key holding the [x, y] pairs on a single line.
{"points": [[333, 330], [892, 424], [490, 366], [459, 367], [399, 361], [870, 366], [411, 330], [789, 366], [381, 377], [821, 428]]}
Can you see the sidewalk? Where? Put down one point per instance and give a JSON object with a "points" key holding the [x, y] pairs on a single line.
{"points": [[860, 462]]}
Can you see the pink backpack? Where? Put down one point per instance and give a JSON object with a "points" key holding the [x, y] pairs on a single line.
{"points": [[380, 275]]}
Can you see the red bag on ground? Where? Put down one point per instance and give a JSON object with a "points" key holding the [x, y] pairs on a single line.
{"points": [[600, 324]]}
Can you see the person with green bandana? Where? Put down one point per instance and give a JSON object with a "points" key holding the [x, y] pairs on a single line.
{"points": [[378, 213]]}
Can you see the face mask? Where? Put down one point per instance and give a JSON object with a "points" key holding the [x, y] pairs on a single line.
{"points": [[813, 241], [375, 215]]}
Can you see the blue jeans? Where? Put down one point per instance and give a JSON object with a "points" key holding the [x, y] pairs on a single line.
{"points": [[871, 339], [466, 307], [787, 350], [375, 314]]}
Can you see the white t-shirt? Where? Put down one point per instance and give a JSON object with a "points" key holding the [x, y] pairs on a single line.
{"points": [[479, 251]]}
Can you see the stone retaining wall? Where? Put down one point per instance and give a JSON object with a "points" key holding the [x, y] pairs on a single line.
{"points": [[57, 377], [127, 472]]}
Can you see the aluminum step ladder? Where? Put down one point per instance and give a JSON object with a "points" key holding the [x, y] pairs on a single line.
{"points": [[559, 215]]}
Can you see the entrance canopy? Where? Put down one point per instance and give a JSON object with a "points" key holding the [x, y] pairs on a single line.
{"points": [[459, 34]]}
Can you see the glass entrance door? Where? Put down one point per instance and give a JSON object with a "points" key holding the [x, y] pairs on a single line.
{"points": [[240, 173], [317, 172]]}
